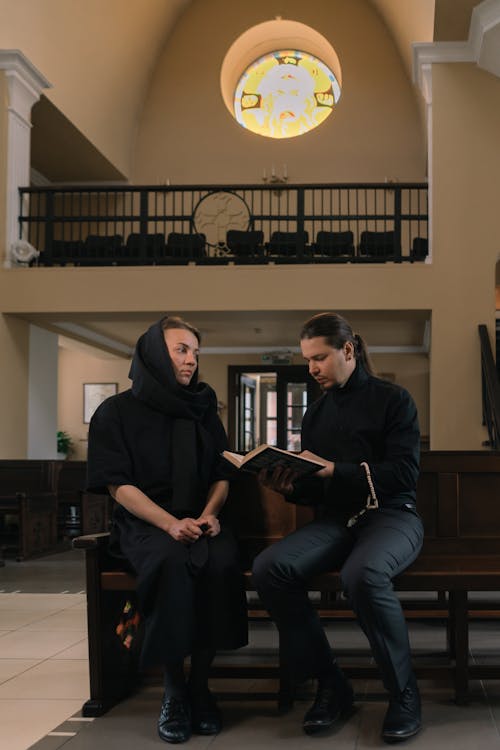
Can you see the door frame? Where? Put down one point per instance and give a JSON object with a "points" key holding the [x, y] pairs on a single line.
{"points": [[284, 374]]}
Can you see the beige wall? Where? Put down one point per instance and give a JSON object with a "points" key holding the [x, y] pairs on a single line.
{"points": [[187, 135], [78, 367], [466, 124], [14, 348], [97, 55], [75, 369]]}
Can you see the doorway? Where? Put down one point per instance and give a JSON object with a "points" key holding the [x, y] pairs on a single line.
{"points": [[266, 405]]}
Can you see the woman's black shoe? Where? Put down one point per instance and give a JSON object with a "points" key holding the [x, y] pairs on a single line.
{"points": [[174, 722], [333, 699], [206, 715], [403, 718]]}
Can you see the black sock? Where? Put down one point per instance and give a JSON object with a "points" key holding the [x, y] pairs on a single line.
{"points": [[201, 660], [174, 680]]}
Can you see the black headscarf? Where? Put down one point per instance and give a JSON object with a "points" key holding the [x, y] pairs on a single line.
{"points": [[191, 407]]}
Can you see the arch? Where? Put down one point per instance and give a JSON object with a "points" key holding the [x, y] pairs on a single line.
{"points": [[266, 37]]}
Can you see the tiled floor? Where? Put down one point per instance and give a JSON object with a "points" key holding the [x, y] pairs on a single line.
{"points": [[44, 681], [43, 646]]}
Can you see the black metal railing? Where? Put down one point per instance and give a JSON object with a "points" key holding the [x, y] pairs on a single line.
{"points": [[491, 390], [375, 222]]}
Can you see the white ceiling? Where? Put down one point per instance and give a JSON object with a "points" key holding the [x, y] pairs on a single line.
{"points": [[245, 331]]}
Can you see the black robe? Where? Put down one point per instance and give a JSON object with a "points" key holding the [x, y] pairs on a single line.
{"points": [[371, 420], [192, 596]]}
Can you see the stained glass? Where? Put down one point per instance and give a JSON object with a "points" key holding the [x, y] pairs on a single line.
{"points": [[284, 94]]}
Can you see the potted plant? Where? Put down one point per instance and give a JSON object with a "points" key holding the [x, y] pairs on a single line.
{"points": [[64, 444]]}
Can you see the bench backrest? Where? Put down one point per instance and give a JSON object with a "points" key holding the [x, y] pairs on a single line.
{"points": [[28, 476], [458, 497]]}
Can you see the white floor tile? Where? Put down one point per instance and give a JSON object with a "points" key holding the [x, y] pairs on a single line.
{"points": [[11, 667], [24, 722], [51, 679], [40, 602], [79, 651], [28, 644], [69, 619], [11, 619]]}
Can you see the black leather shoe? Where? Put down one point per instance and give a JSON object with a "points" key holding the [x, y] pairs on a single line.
{"points": [[174, 722], [206, 715], [403, 718], [332, 700]]}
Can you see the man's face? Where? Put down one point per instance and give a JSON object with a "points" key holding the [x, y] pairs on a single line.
{"points": [[328, 366]]}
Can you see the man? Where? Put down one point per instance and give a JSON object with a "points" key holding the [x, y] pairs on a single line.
{"points": [[366, 431]]}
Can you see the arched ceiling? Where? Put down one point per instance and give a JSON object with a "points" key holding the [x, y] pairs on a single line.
{"points": [[409, 21], [100, 56]]}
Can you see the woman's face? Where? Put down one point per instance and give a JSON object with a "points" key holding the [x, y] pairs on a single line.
{"points": [[184, 349]]}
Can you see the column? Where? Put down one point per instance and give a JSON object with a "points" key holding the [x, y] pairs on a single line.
{"points": [[42, 394], [24, 86]]}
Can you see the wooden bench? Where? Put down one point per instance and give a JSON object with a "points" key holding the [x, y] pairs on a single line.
{"points": [[458, 496], [39, 502], [28, 508], [79, 512]]}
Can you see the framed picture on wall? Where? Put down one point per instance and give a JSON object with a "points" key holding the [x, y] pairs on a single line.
{"points": [[93, 395]]}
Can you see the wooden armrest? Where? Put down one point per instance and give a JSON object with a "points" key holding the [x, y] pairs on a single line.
{"points": [[91, 541]]}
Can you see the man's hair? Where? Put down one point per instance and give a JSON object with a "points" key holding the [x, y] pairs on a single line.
{"points": [[336, 331]]}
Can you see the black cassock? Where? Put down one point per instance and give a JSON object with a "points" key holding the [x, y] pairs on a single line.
{"points": [[192, 596]]}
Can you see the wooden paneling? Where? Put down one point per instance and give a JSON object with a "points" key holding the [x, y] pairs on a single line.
{"points": [[479, 505]]}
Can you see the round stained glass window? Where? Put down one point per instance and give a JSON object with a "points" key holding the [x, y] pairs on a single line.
{"points": [[284, 94]]}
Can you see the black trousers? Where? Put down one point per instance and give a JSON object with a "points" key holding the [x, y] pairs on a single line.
{"points": [[370, 554], [192, 596]]}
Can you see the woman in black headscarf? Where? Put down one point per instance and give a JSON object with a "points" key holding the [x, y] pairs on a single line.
{"points": [[156, 448]]}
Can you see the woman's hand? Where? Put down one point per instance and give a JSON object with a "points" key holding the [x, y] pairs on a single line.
{"points": [[186, 530], [323, 473], [280, 479], [211, 523]]}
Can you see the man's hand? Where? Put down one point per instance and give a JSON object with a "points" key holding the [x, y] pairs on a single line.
{"points": [[280, 479], [324, 473]]}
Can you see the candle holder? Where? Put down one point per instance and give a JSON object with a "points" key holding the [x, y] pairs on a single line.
{"points": [[275, 179]]}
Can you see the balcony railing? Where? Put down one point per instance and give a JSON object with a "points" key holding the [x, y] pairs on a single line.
{"points": [[214, 224]]}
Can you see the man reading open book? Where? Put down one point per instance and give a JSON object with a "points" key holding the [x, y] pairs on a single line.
{"points": [[365, 431]]}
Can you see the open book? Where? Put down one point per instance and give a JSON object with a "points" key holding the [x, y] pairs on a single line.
{"points": [[268, 457]]}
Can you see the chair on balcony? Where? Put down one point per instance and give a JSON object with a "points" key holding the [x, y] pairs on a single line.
{"points": [[181, 248], [420, 248], [289, 247], [61, 252], [379, 246], [333, 245], [101, 250], [143, 249], [246, 246]]}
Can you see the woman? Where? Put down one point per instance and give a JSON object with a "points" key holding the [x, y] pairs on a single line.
{"points": [[156, 448], [366, 431]]}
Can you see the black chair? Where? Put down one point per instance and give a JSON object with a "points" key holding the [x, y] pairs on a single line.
{"points": [[143, 248], [185, 247], [62, 252], [246, 245], [379, 245], [288, 245], [334, 244], [101, 250], [420, 248]]}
